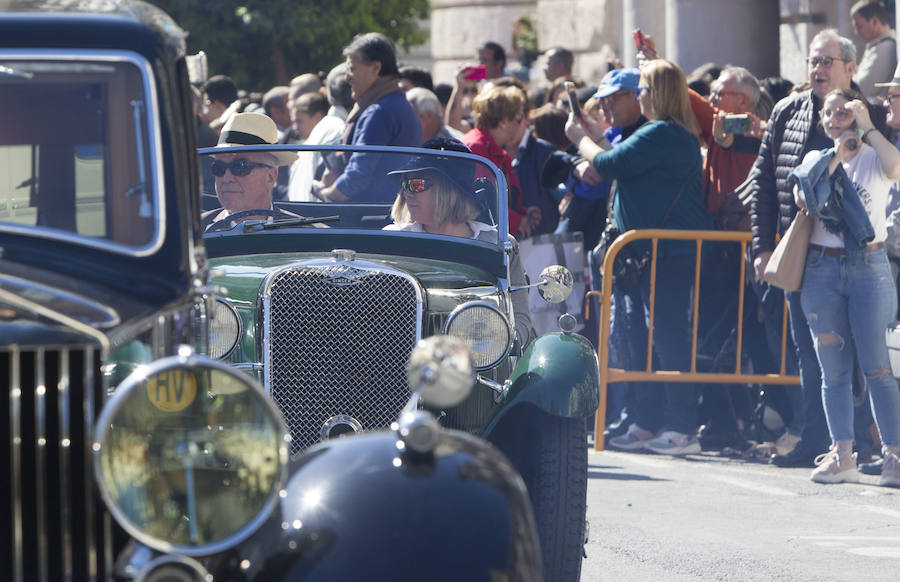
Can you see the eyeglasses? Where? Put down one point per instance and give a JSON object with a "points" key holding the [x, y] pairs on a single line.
{"points": [[415, 185], [239, 167], [609, 100], [889, 99], [824, 61], [719, 94], [470, 90]]}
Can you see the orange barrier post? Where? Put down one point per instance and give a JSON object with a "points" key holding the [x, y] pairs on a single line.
{"points": [[604, 295]]}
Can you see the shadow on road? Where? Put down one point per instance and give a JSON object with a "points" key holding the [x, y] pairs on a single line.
{"points": [[613, 476]]}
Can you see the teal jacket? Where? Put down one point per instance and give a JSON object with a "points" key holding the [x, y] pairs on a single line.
{"points": [[650, 168]]}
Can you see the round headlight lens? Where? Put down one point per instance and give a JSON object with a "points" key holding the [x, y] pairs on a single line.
{"points": [[484, 330], [224, 329], [190, 455]]}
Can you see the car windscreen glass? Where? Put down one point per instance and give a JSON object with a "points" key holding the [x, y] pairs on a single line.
{"points": [[75, 151], [427, 192]]}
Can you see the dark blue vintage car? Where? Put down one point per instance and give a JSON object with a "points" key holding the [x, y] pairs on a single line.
{"points": [[129, 452]]}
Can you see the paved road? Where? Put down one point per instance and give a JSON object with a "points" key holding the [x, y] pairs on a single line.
{"points": [[658, 518]]}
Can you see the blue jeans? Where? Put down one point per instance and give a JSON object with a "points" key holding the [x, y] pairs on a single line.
{"points": [[673, 405], [814, 431], [853, 297]]}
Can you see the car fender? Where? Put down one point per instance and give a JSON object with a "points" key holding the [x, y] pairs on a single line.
{"points": [[367, 506], [559, 374]]}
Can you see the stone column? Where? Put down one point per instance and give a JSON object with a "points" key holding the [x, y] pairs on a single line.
{"points": [[589, 28], [737, 32], [800, 21], [650, 17]]}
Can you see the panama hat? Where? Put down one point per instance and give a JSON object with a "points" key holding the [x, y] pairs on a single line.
{"points": [[253, 129]]}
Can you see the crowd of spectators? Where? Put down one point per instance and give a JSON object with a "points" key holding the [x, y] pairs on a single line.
{"points": [[655, 147]]}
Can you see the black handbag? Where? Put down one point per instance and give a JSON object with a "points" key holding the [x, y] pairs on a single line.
{"points": [[627, 265]]}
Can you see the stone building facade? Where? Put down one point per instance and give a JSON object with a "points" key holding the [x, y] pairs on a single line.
{"points": [[769, 37]]}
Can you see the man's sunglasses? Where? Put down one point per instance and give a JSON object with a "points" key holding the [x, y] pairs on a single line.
{"points": [[415, 185], [239, 167]]}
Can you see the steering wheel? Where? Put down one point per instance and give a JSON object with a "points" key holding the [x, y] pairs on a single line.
{"points": [[223, 223]]}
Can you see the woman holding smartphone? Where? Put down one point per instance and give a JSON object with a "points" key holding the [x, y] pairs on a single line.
{"points": [[658, 172], [848, 296]]}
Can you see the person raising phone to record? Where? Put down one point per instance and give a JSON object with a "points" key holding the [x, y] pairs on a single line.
{"points": [[848, 291]]}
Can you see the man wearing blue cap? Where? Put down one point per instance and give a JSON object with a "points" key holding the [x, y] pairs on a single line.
{"points": [[620, 104]]}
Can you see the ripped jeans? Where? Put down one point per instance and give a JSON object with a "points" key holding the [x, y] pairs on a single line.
{"points": [[846, 297]]}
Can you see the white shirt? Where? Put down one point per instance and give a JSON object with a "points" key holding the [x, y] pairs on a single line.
{"points": [[327, 132], [866, 173], [476, 227]]}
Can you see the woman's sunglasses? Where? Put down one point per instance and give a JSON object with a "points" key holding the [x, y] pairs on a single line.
{"points": [[239, 167], [415, 185]]}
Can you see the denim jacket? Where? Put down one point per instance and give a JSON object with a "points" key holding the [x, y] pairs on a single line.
{"points": [[833, 199]]}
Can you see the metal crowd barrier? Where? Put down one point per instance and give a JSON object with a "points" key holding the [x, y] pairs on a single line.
{"points": [[648, 374]]}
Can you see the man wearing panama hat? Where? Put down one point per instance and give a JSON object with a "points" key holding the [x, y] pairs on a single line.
{"points": [[244, 180]]}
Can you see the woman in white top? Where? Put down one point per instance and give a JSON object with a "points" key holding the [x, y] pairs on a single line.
{"points": [[437, 196], [849, 296]]}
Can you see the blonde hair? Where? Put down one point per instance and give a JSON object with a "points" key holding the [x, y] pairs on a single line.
{"points": [[491, 107], [450, 203], [669, 94]]}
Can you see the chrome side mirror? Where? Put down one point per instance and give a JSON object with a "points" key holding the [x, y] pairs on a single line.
{"points": [[556, 283]]}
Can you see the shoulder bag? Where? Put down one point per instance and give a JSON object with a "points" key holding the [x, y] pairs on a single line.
{"points": [[788, 261]]}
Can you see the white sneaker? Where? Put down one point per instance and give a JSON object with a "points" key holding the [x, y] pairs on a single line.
{"points": [[633, 440], [832, 467], [786, 442], [674, 443], [890, 470]]}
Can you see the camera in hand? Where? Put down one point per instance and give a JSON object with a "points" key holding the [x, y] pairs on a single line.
{"points": [[736, 123]]}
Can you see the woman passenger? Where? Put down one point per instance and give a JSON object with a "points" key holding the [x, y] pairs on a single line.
{"points": [[437, 196]]}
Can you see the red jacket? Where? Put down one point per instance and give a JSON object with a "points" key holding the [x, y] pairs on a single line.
{"points": [[482, 144]]}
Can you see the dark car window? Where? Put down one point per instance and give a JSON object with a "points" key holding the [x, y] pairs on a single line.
{"points": [[75, 150]]}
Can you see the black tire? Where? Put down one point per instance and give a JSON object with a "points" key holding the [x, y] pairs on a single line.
{"points": [[551, 455]]}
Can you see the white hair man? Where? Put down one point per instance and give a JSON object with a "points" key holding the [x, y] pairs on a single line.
{"points": [[431, 114]]}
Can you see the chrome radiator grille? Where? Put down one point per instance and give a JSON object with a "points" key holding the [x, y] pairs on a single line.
{"points": [[337, 339], [53, 525]]}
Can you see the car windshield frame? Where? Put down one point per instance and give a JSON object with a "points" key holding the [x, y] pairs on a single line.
{"points": [[151, 148], [440, 247], [498, 177]]}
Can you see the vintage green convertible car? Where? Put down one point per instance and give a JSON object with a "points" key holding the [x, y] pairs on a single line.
{"points": [[323, 310], [128, 454]]}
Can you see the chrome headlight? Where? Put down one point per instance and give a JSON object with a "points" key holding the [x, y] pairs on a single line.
{"points": [[225, 329], [484, 330], [190, 455]]}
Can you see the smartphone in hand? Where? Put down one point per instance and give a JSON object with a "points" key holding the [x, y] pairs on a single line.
{"points": [[475, 73], [639, 43], [736, 123], [573, 99]]}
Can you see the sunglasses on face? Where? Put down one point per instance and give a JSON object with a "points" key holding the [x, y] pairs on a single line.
{"points": [[415, 185], [239, 167]]}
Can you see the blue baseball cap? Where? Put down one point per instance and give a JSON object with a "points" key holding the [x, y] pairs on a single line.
{"points": [[616, 80]]}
